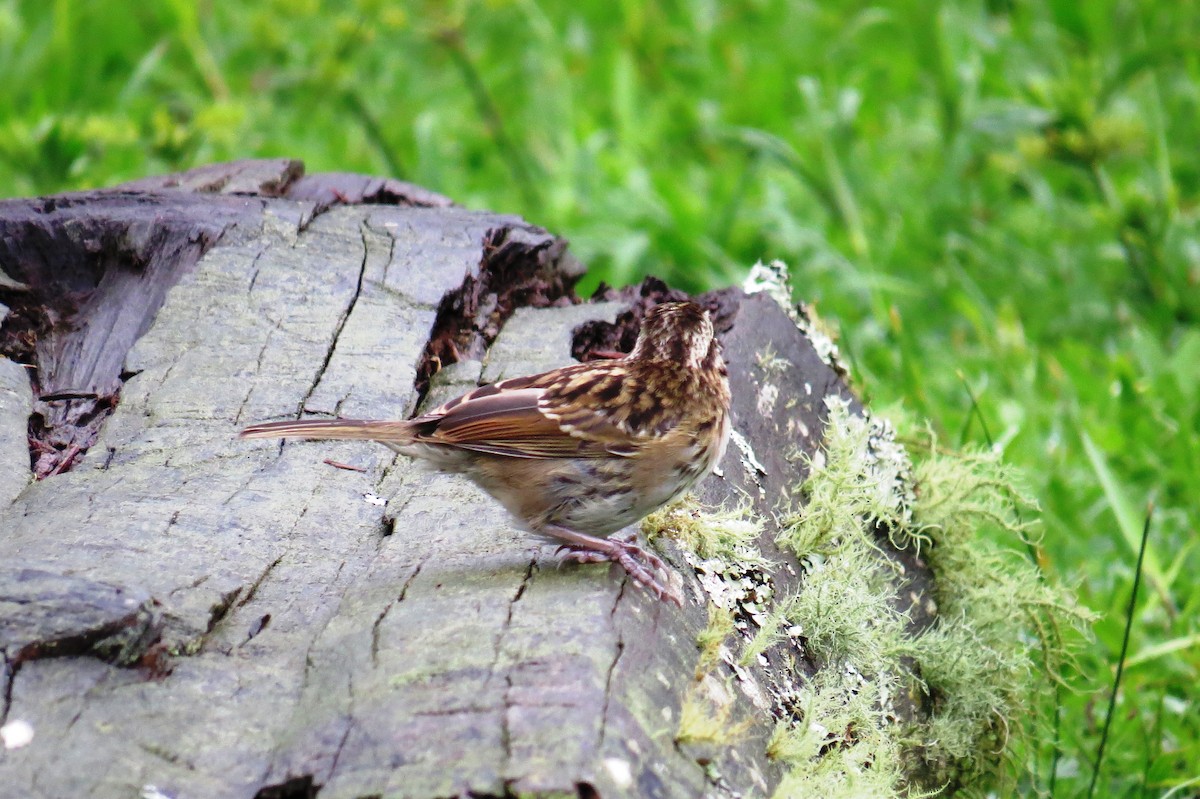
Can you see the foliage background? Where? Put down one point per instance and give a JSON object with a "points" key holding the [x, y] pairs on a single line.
{"points": [[997, 202]]}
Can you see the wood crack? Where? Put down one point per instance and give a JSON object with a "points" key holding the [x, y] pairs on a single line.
{"points": [[89, 273], [254, 268], [11, 667], [250, 592], [258, 362], [387, 608], [506, 697], [341, 324], [341, 745], [612, 667]]}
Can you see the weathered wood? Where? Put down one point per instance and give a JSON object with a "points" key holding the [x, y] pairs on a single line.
{"points": [[45, 614], [296, 626], [16, 402]]}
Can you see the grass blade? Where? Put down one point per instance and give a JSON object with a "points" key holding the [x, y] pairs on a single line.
{"points": [[1127, 520], [1164, 649], [1112, 698]]}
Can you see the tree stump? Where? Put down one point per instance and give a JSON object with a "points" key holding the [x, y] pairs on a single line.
{"points": [[186, 614]]}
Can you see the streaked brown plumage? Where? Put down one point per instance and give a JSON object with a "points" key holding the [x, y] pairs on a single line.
{"points": [[578, 453]]}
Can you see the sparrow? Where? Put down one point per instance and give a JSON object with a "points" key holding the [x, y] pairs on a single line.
{"points": [[578, 453]]}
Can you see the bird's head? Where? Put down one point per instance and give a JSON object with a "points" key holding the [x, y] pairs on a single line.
{"points": [[681, 332]]}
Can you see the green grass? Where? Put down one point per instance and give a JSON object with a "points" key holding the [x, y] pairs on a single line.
{"points": [[995, 200]]}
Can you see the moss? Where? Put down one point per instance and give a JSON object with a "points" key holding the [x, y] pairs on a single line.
{"points": [[846, 612], [771, 632], [721, 546], [1003, 634], [840, 744], [860, 481], [712, 638], [977, 665], [870, 703], [705, 717], [729, 535]]}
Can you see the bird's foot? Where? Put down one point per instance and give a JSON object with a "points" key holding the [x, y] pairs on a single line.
{"points": [[639, 563], [572, 553]]}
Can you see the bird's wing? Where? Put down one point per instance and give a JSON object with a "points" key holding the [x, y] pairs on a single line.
{"points": [[528, 417]]}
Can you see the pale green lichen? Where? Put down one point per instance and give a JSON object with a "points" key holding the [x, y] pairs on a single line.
{"points": [[769, 362], [712, 638], [728, 535], [873, 705], [858, 481], [705, 716], [838, 619], [1003, 635], [839, 744], [721, 546], [977, 665], [773, 280], [771, 631], [841, 739], [846, 612]]}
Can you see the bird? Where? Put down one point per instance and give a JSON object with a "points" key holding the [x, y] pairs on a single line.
{"points": [[581, 452]]}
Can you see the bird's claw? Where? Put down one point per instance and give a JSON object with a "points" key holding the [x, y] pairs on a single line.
{"points": [[639, 563], [576, 554]]}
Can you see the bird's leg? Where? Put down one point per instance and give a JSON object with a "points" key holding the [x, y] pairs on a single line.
{"points": [[640, 564]]}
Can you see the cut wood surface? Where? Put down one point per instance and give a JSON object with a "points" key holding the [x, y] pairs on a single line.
{"points": [[186, 614]]}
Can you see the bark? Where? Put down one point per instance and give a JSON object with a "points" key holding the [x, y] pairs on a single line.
{"points": [[186, 614]]}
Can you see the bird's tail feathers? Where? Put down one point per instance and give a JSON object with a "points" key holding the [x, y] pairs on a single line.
{"points": [[354, 429]]}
